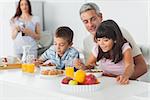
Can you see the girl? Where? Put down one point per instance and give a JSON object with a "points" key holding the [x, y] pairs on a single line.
{"points": [[113, 52]]}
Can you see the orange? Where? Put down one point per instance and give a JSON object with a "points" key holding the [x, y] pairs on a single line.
{"points": [[69, 71], [80, 76]]}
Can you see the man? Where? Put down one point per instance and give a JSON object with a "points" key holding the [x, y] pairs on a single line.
{"points": [[92, 17]]}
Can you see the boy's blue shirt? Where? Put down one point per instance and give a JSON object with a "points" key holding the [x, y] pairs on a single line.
{"points": [[50, 54]]}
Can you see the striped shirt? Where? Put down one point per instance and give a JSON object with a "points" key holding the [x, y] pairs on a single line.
{"points": [[50, 54]]}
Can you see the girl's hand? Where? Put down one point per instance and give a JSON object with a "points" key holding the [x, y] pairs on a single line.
{"points": [[78, 63], [121, 79]]}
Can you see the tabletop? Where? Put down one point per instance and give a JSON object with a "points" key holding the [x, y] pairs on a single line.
{"points": [[16, 84]]}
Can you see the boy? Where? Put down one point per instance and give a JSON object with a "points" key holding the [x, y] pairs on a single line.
{"points": [[61, 52]]}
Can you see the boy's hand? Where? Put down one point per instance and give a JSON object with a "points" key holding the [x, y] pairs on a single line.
{"points": [[37, 62], [48, 63], [121, 79]]}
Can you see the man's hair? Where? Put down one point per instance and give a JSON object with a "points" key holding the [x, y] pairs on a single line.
{"points": [[89, 6], [64, 32]]}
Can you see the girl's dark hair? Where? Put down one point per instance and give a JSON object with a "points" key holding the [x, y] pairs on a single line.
{"points": [[18, 10], [109, 29], [65, 32]]}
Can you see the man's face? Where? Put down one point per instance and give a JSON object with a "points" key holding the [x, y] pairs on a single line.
{"points": [[91, 20], [61, 45]]}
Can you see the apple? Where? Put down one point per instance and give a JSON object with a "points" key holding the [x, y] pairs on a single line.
{"points": [[90, 79], [66, 80], [73, 82]]}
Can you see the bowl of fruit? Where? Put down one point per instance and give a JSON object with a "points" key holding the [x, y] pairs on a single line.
{"points": [[81, 82]]}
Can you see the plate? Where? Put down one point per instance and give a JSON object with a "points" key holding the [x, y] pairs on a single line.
{"points": [[51, 76], [47, 67], [51, 73], [96, 72]]}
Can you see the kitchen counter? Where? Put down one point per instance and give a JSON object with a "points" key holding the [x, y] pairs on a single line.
{"points": [[14, 85]]}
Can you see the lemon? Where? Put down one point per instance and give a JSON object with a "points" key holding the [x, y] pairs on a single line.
{"points": [[79, 76]]}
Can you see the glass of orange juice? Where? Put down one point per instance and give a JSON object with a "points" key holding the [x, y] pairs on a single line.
{"points": [[24, 67], [30, 68], [69, 71]]}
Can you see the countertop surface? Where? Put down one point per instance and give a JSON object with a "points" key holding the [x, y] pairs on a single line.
{"points": [[16, 84]]}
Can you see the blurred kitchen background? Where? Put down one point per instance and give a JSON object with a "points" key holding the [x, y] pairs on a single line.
{"points": [[134, 15]]}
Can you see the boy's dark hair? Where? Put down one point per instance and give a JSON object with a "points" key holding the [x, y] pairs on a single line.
{"points": [[109, 29], [65, 33]]}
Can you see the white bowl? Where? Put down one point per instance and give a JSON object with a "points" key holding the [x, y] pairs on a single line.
{"points": [[80, 88]]}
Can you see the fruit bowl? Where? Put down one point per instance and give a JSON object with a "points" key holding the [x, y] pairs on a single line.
{"points": [[80, 88], [81, 82], [90, 84]]}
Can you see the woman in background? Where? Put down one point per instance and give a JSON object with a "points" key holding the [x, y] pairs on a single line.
{"points": [[25, 29]]}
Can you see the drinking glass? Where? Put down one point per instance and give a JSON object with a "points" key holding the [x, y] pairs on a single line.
{"points": [[69, 71], [28, 66], [69, 68]]}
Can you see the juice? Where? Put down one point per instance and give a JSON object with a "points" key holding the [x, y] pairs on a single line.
{"points": [[69, 71], [24, 67], [30, 68]]}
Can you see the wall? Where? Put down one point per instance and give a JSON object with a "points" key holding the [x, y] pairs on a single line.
{"points": [[131, 14], [149, 29], [6, 43], [65, 13]]}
